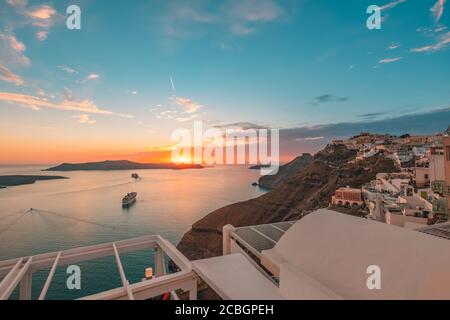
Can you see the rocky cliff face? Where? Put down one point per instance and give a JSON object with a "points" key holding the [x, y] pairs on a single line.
{"points": [[285, 171], [308, 188]]}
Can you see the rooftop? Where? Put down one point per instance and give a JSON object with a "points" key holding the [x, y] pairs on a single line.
{"points": [[324, 255]]}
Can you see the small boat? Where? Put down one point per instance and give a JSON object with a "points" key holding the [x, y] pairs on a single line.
{"points": [[135, 175], [129, 199]]}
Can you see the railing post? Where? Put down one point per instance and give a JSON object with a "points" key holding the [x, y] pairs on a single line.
{"points": [[159, 262], [226, 238], [193, 290], [25, 286]]}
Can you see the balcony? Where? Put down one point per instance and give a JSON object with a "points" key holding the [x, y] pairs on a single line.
{"points": [[18, 272]]}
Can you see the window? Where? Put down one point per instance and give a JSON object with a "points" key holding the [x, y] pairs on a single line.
{"points": [[447, 152]]}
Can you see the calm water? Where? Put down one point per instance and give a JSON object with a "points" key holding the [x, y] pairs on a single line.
{"points": [[168, 203]]}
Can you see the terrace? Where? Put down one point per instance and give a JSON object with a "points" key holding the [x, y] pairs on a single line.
{"points": [[324, 255]]}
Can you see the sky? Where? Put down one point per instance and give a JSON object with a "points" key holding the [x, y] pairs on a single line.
{"points": [[137, 70]]}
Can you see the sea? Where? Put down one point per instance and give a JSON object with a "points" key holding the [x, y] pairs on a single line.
{"points": [[86, 209]]}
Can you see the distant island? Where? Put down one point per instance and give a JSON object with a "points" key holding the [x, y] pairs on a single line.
{"points": [[259, 166], [18, 180], [120, 165]]}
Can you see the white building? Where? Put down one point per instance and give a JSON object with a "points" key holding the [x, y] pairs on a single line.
{"points": [[325, 255]]}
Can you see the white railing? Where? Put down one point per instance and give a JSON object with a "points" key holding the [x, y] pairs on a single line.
{"points": [[233, 243], [19, 271]]}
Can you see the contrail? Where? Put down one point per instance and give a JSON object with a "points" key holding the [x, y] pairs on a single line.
{"points": [[173, 85]]}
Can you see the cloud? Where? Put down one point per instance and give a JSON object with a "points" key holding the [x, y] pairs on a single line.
{"points": [[168, 114], [17, 3], [372, 116], [389, 60], [42, 35], [392, 4], [443, 41], [310, 139], [134, 92], [242, 125], [241, 30], [69, 104], [244, 15], [84, 118], [437, 10], [42, 15], [92, 76], [12, 51], [172, 83], [184, 119], [393, 46], [8, 76], [188, 105], [417, 123], [40, 92], [68, 69], [240, 17], [254, 10], [325, 98]]}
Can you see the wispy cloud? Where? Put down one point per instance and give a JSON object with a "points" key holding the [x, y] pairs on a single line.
{"points": [[8, 76], [437, 10], [167, 114], [310, 139], [84, 118], [40, 92], [244, 15], [443, 41], [389, 60], [392, 4], [36, 103], [68, 69], [241, 125], [42, 35], [372, 115], [325, 98], [12, 51], [42, 15], [172, 83], [188, 105], [185, 119], [17, 3], [240, 17], [93, 76], [393, 46]]}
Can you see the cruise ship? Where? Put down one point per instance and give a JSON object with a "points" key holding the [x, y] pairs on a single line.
{"points": [[129, 199]]}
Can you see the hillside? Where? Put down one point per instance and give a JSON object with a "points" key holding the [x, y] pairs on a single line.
{"points": [[309, 188], [285, 171], [17, 180]]}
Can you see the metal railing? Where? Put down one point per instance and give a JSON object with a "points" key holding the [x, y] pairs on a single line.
{"points": [[18, 272]]}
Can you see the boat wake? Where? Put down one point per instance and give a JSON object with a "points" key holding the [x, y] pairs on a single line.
{"points": [[95, 189]]}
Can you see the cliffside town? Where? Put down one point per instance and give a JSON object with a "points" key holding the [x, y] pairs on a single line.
{"points": [[404, 181]]}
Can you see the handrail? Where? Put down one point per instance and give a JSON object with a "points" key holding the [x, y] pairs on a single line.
{"points": [[49, 278]]}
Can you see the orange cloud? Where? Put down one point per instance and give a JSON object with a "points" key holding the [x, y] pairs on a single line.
{"points": [[43, 12], [188, 105], [8, 76], [69, 105]]}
